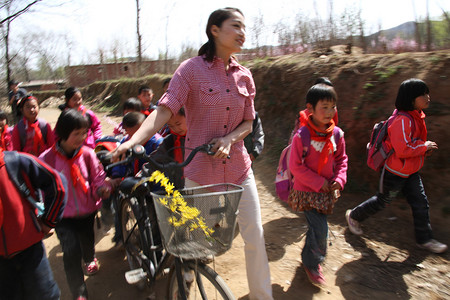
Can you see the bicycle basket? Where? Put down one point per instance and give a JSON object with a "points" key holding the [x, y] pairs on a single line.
{"points": [[218, 206]]}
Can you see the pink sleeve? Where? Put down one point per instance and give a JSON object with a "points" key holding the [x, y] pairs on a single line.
{"points": [[341, 163], [300, 171], [96, 173], [96, 127], [179, 88], [249, 109]]}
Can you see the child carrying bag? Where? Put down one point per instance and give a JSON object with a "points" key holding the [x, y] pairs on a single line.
{"points": [[377, 150], [284, 181]]}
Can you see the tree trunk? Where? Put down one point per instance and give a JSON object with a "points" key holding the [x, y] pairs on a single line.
{"points": [[139, 48]]}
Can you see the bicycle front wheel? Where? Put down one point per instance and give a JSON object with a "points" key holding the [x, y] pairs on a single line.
{"points": [[200, 282]]}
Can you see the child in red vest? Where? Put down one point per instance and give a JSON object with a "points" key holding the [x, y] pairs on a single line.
{"points": [[31, 134]]}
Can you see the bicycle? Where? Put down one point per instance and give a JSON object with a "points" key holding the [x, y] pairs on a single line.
{"points": [[153, 245]]}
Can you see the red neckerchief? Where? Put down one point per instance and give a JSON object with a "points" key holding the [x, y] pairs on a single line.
{"points": [[419, 118], [177, 151], [75, 173], [3, 137], [38, 140], [324, 137], [304, 114]]}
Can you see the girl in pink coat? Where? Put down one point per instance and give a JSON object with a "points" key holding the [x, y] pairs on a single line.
{"points": [[86, 187]]}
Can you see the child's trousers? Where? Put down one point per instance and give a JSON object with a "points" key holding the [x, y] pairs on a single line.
{"points": [[390, 186], [315, 247], [76, 236]]}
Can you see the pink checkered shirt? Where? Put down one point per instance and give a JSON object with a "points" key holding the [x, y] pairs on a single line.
{"points": [[216, 102]]}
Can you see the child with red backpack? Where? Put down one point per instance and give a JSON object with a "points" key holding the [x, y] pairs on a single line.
{"points": [[407, 136], [319, 167], [31, 134]]}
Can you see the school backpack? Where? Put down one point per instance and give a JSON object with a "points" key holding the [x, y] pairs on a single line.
{"points": [[23, 132], [12, 167], [377, 150], [284, 180]]}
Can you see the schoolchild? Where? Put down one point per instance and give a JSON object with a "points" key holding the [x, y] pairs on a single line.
{"points": [[320, 172], [131, 123], [31, 134], [25, 272], [145, 95], [217, 94], [74, 100], [86, 187], [15, 94], [5, 132], [131, 104], [407, 136], [303, 115]]}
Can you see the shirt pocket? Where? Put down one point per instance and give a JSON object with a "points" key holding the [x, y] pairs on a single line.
{"points": [[209, 94], [243, 95]]}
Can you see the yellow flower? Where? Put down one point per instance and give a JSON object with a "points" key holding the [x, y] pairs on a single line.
{"points": [[182, 213]]}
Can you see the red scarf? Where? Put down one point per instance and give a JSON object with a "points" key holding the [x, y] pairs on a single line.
{"points": [[38, 140], [75, 173], [3, 137], [177, 151], [324, 137], [419, 118]]}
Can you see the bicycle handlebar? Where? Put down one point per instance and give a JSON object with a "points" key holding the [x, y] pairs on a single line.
{"points": [[138, 152]]}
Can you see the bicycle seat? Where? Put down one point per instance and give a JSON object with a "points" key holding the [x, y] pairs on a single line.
{"points": [[126, 186]]}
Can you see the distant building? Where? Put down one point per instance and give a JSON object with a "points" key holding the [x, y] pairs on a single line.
{"points": [[83, 75], [43, 85]]}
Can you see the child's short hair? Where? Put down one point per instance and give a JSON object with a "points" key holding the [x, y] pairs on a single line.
{"points": [[68, 94], [409, 90], [132, 119], [132, 104], [324, 80], [144, 88], [68, 121], [181, 112], [21, 102], [320, 91], [166, 81], [3, 116]]}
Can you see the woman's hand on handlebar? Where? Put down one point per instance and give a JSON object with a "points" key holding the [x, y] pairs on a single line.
{"points": [[222, 147], [118, 153]]}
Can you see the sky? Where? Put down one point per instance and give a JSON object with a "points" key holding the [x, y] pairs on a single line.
{"points": [[171, 24]]}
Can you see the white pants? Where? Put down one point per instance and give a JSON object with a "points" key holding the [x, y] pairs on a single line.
{"points": [[250, 227]]}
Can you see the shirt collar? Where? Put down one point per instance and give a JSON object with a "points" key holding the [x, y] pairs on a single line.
{"points": [[216, 60]]}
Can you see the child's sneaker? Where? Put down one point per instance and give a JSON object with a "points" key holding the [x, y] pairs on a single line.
{"points": [[92, 267], [353, 225], [434, 246], [315, 277]]}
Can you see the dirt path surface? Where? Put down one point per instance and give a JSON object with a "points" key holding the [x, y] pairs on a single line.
{"points": [[384, 263]]}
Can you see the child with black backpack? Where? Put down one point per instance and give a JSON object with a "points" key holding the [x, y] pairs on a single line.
{"points": [[318, 163], [407, 136]]}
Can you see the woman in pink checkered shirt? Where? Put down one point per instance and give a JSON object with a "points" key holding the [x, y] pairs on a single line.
{"points": [[217, 94]]}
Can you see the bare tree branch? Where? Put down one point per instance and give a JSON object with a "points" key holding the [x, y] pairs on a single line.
{"points": [[18, 13]]}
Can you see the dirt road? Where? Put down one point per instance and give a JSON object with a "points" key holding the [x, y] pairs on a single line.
{"points": [[382, 264]]}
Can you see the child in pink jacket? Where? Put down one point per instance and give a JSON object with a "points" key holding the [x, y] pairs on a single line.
{"points": [[86, 187], [74, 100], [318, 163]]}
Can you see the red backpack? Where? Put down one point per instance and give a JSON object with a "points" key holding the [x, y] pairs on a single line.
{"points": [[377, 150]]}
